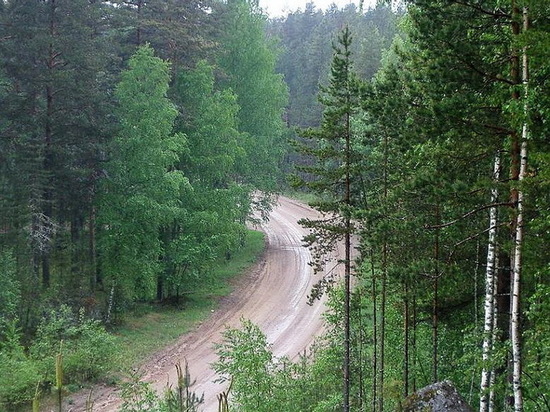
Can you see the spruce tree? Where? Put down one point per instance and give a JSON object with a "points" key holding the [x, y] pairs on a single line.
{"points": [[55, 55]]}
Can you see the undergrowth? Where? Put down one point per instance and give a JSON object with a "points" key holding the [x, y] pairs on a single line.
{"points": [[91, 354]]}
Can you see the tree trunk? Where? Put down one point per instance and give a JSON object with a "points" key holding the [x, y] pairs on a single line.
{"points": [[435, 318], [519, 170], [361, 338], [494, 337], [48, 137], [435, 330], [92, 251], [160, 288], [374, 335], [489, 303], [413, 341], [406, 331], [515, 331], [518, 240], [347, 273], [384, 284]]}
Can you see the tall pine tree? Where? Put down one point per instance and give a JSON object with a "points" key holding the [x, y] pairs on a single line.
{"points": [[332, 177]]}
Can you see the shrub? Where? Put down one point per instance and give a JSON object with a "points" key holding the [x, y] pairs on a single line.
{"points": [[19, 375], [138, 396], [245, 359], [10, 293], [89, 351]]}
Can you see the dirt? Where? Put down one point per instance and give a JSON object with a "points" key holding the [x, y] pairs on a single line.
{"points": [[272, 295]]}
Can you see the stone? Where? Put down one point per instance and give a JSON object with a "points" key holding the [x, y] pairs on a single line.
{"points": [[438, 397]]}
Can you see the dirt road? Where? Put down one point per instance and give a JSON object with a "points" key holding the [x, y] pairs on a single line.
{"points": [[273, 296]]}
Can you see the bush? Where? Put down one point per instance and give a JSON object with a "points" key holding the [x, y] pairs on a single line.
{"points": [[10, 293], [261, 382], [19, 385], [19, 375], [246, 361], [88, 350], [138, 396]]}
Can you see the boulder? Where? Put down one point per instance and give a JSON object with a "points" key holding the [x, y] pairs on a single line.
{"points": [[438, 397]]}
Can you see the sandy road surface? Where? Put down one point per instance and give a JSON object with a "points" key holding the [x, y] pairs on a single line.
{"points": [[273, 296]]}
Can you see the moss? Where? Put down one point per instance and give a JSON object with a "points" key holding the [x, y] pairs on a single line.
{"points": [[439, 397]]}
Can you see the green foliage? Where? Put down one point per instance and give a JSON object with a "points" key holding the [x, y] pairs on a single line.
{"points": [[210, 121], [99, 188], [245, 361], [305, 40], [248, 60], [142, 192], [10, 293], [20, 374], [213, 224], [89, 351], [329, 148], [138, 396], [437, 112], [537, 356], [181, 398], [260, 382], [150, 327], [57, 64]]}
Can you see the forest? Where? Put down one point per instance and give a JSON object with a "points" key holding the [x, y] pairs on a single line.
{"points": [[140, 138]]}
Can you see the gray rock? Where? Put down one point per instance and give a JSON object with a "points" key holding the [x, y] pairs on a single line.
{"points": [[438, 397]]}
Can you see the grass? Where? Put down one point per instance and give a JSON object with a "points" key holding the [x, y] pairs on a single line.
{"points": [[152, 327], [302, 196]]}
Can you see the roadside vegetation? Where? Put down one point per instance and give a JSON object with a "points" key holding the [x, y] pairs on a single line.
{"points": [[92, 353], [135, 151], [139, 140], [437, 165], [149, 328]]}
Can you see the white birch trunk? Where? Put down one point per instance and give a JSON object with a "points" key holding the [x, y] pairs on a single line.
{"points": [[493, 377], [516, 293], [518, 243], [489, 302]]}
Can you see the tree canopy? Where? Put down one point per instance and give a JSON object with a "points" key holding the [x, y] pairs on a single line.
{"points": [[138, 139]]}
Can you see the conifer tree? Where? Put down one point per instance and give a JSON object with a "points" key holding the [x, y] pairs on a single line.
{"points": [[332, 177], [458, 79], [55, 55]]}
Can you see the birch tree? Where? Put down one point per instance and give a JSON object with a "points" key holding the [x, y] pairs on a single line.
{"points": [[516, 328], [490, 296], [142, 190], [248, 61]]}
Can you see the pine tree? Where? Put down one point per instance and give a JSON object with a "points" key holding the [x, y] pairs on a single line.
{"points": [[464, 100], [331, 177], [56, 58], [179, 31]]}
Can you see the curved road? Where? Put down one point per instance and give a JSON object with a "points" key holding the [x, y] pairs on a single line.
{"points": [[273, 296]]}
